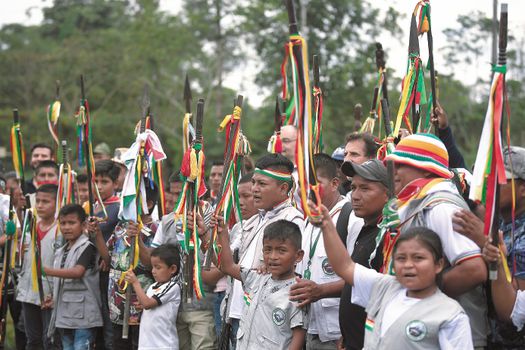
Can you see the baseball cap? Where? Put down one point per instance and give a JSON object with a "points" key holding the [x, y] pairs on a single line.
{"points": [[339, 153], [516, 155], [372, 170], [102, 148]]}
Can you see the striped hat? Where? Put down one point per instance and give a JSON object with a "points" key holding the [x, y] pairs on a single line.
{"points": [[423, 151]]}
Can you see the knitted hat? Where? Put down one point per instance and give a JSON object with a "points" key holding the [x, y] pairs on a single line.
{"points": [[423, 151]]}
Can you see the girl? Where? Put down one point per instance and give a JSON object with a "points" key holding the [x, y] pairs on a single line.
{"points": [[407, 311], [161, 301]]}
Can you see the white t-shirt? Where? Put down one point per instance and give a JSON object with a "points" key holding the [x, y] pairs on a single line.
{"points": [[157, 326], [451, 335], [518, 312]]}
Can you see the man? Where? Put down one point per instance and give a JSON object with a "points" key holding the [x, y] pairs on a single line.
{"points": [[504, 335], [369, 196], [215, 179], [174, 189], [39, 152], [359, 148], [102, 152], [289, 141], [427, 197], [234, 298], [271, 189], [320, 287]]}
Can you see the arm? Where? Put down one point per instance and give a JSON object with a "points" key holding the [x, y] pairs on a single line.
{"points": [[298, 337], [464, 276], [146, 302], [307, 291], [100, 243], [211, 277], [227, 265], [341, 262], [440, 117], [144, 252], [74, 272]]}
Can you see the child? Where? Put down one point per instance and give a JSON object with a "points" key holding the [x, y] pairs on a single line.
{"points": [[161, 301], [82, 189], [46, 172], [76, 286], [48, 239], [407, 311], [270, 320]]}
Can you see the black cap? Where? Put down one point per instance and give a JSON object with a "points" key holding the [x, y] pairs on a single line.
{"points": [[372, 170]]}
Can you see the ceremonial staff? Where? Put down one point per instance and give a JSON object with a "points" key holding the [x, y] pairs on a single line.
{"points": [[297, 51], [380, 91], [85, 151], [489, 168], [228, 197], [188, 133], [66, 181], [192, 171], [53, 113], [275, 144], [318, 108], [10, 230]]}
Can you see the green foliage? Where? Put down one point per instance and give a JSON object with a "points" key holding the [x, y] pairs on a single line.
{"points": [[120, 46]]}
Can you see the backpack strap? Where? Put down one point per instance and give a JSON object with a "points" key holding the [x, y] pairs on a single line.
{"points": [[342, 221]]}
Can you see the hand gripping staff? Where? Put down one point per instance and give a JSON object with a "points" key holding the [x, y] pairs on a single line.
{"points": [[297, 51], [85, 150], [489, 168], [192, 171]]}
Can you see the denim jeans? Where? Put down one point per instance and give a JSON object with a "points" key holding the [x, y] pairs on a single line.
{"points": [[77, 339], [217, 312]]}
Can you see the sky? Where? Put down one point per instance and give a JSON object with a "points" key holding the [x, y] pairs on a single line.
{"points": [[444, 15]]}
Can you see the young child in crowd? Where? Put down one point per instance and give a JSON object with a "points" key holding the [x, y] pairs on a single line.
{"points": [[406, 311], [161, 301], [270, 319], [48, 238], [82, 188], [76, 292]]}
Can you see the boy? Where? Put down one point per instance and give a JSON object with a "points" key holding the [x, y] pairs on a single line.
{"points": [[46, 172], [48, 239], [270, 320], [82, 189], [106, 176], [76, 288], [161, 301], [118, 254]]}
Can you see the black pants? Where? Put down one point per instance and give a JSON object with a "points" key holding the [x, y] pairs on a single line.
{"points": [[132, 343], [36, 326]]}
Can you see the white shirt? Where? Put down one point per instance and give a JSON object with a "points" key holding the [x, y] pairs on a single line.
{"points": [[451, 335], [158, 328], [456, 247], [518, 312], [323, 316], [355, 225]]}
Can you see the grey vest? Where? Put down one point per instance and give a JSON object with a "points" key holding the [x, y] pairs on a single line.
{"points": [[474, 301], [77, 301], [417, 328], [24, 288]]}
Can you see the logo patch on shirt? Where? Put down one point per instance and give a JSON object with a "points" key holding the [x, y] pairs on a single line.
{"points": [[327, 268], [369, 324], [278, 316], [416, 330]]}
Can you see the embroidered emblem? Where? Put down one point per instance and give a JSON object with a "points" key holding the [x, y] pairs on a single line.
{"points": [[278, 316], [247, 298], [327, 268], [416, 330]]}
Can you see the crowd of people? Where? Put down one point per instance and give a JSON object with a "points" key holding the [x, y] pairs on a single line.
{"points": [[377, 267]]}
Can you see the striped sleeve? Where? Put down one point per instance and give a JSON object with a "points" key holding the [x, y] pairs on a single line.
{"points": [[166, 292]]}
